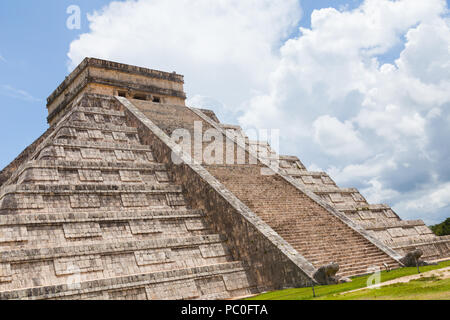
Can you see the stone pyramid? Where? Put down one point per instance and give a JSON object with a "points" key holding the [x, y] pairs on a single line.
{"points": [[106, 205]]}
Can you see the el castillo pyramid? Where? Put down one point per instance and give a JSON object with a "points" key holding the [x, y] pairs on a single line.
{"points": [[106, 205]]}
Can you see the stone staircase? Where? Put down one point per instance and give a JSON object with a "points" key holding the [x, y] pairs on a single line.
{"points": [[89, 214], [379, 220], [317, 235]]}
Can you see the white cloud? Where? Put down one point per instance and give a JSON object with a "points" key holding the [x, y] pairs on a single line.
{"points": [[427, 203], [12, 92], [377, 193], [337, 138], [2, 58], [373, 125], [224, 48], [364, 93]]}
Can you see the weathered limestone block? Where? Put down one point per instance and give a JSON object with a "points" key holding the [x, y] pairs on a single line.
{"points": [[130, 176], [150, 257], [336, 197], [431, 249], [150, 156], [5, 272], [157, 200], [84, 201], [124, 155], [95, 134], [82, 230], [90, 175], [145, 226], [327, 180], [131, 294], [213, 250], [78, 264], [103, 295], [73, 154], [162, 176], [67, 132], [119, 136], [99, 118], [211, 286], [13, 234], [175, 199], [396, 232], [366, 215], [52, 152], [90, 153], [308, 179], [410, 232], [358, 197], [22, 201], [390, 214], [39, 174], [185, 289], [383, 235], [78, 116], [195, 225], [134, 200], [235, 281], [423, 230]]}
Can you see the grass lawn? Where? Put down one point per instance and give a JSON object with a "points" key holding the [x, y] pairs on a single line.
{"points": [[426, 288], [429, 288]]}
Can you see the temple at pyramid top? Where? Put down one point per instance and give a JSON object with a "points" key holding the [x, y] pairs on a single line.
{"points": [[115, 79]]}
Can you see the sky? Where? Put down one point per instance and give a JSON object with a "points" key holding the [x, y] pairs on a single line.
{"points": [[359, 89]]}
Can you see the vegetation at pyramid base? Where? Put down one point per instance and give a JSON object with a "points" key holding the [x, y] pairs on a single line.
{"points": [[412, 290], [442, 229]]}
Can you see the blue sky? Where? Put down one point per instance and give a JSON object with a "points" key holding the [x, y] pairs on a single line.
{"points": [[361, 94], [34, 44]]}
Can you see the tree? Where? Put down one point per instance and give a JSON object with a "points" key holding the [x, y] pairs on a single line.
{"points": [[442, 229]]}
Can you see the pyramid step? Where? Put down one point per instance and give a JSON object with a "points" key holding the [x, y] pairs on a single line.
{"points": [[355, 270], [46, 230], [305, 236], [55, 189], [33, 198], [320, 256], [225, 279], [100, 151], [340, 255], [104, 127], [56, 265], [349, 208], [100, 145], [36, 254], [100, 111], [349, 261], [100, 216], [95, 165], [326, 241], [89, 172], [324, 247]]}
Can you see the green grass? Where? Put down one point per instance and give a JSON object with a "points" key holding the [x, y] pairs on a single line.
{"points": [[328, 292], [427, 288]]}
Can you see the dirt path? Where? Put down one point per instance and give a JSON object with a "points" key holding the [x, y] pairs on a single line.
{"points": [[443, 273]]}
